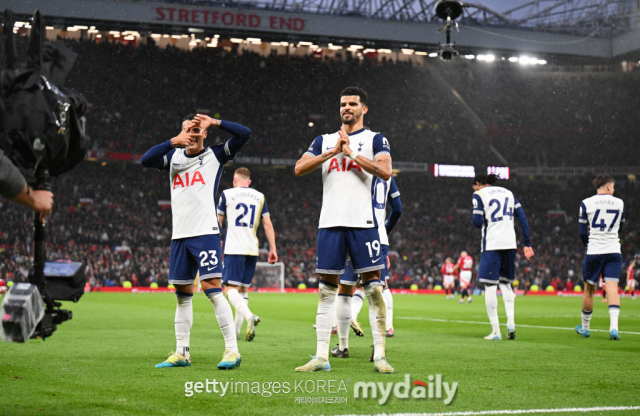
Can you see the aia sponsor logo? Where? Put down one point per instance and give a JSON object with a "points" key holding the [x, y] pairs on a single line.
{"points": [[343, 166], [184, 181]]}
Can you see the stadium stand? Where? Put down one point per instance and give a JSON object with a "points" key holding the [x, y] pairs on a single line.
{"points": [[144, 96], [107, 213]]}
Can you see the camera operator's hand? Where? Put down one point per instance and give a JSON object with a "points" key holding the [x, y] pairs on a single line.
{"points": [[13, 186], [43, 203], [39, 201]]}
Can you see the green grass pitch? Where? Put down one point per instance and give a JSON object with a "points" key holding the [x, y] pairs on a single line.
{"points": [[102, 362]]}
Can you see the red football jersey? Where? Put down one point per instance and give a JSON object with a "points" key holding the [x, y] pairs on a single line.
{"points": [[629, 273], [465, 263], [447, 268]]}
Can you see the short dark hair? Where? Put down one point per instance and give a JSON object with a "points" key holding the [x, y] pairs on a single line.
{"points": [[188, 117], [484, 179], [602, 180], [364, 97]]}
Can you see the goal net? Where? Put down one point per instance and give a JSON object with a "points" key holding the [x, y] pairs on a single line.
{"points": [[269, 276]]}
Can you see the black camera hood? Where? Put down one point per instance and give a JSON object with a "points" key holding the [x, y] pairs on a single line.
{"points": [[40, 122]]}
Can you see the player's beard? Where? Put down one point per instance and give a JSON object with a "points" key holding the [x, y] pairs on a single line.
{"points": [[355, 116]]}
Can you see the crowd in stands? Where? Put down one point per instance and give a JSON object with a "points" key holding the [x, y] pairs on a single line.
{"points": [[553, 118], [107, 213], [109, 217], [464, 112]]}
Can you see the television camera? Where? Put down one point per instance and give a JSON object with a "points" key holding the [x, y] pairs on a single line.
{"points": [[449, 11], [42, 132]]}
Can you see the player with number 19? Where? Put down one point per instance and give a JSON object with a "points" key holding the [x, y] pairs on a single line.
{"points": [[194, 172], [601, 217], [350, 159], [494, 209]]}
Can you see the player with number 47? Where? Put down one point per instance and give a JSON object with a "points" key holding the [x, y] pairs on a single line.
{"points": [[601, 217]]}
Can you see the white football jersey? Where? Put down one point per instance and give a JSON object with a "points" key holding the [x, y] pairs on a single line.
{"points": [[243, 208], [347, 190], [603, 214], [194, 181], [498, 206], [381, 192]]}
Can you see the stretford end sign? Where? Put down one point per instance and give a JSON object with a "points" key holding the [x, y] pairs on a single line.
{"points": [[227, 18]]}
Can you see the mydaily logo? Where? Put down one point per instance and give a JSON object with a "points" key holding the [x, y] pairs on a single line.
{"points": [[433, 389]]}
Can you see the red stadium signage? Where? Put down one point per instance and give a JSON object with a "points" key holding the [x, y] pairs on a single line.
{"points": [[228, 19], [141, 289]]}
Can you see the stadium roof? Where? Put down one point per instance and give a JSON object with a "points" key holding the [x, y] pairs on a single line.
{"points": [[600, 18], [594, 31]]}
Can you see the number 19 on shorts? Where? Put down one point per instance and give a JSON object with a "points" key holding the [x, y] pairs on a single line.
{"points": [[373, 246]]}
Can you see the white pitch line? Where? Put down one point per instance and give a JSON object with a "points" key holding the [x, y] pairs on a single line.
{"points": [[418, 318], [519, 411], [538, 316]]}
